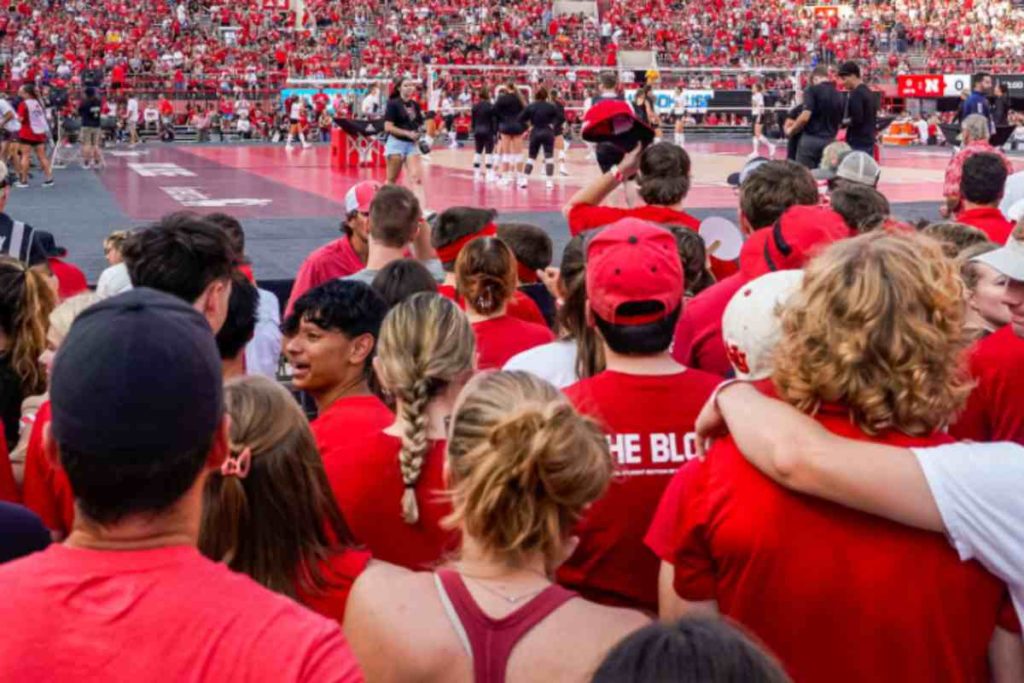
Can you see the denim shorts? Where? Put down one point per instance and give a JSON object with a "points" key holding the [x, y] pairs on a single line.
{"points": [[398, 147]]}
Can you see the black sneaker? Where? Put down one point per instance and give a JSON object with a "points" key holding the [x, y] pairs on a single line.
{"points": [[48, 183]]}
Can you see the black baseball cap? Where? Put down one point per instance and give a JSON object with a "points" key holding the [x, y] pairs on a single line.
{"points": [[137, 373]]}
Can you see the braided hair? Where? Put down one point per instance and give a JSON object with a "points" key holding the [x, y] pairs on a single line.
{"points": [[425, 343]]}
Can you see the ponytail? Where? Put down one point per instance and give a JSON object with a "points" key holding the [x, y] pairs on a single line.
{"points": [[226, 513], [413, 411], [26, 301]]}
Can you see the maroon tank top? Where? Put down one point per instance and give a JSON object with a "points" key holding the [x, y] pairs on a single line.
{"points": [[490, 641]]}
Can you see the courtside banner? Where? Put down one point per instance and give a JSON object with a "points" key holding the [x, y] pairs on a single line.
{"points": [[697, 101], [307, 94]]}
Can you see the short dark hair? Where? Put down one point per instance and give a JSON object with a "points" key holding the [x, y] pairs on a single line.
{"points": [[863, 208], [232, 228], [978, 78], [530, 244], [983, 179], [664, 174], [457, 222], [639, 340], [347, 306], [689, 651], [849, 69], [240, 323], [773, 187], [181, 254], [394, 216], [955, 237], [400, 279], [820, 71], [111, 486]]}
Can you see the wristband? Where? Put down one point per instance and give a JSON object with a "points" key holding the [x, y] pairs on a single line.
{"points": [[617, 174]]}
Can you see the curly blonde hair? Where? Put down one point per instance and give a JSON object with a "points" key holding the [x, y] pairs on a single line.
{"points": [[877, 327], [523, 464]]}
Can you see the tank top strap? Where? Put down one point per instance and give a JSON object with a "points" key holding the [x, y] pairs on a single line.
{"points": [[492, 640]]}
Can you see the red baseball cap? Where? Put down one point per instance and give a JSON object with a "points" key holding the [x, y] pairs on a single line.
{"points": [[633, 262], [360, 195], [797, 236]]}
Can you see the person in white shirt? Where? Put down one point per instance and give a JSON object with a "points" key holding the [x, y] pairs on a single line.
{"points": [[973, 492], [10, 124], [370, 107], [131, 116], [679, 115], [295, 112], [758, 114]]}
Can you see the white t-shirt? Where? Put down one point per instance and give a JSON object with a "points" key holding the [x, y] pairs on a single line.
{"points": [[554, 362], [114, 280], [264, 349], [296, 111], [757, 104], [370, 105], [979, 490], [13, 125]]}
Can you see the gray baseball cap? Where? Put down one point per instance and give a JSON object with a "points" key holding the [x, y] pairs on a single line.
{"points": [[1008, 259], [859, 167]]}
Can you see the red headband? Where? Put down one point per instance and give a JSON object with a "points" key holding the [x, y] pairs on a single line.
{"points": [[527, 275], [450, 252]]}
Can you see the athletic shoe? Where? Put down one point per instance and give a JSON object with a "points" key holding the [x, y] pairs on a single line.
{"points": [[492, 176], [563, 170], [550, 184], [20, 184], [289, 147], [306, 145], [523, 182], [48, 183]]}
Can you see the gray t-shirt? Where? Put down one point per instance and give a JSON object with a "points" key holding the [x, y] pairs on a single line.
{"points": [[979, 490], [366, 275]]}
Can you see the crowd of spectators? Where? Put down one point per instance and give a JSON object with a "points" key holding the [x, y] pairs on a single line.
{"points": [[196, 47]]}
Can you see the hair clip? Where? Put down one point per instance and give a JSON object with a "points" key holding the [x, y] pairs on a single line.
{"points": [[237, 465]]}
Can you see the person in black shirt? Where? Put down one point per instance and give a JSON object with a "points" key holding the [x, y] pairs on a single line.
{"points": [[484, 122], [819, 123], [508, 107], [861, 110], [542, 117], [402, 121], [1001, 106], [561, 143], [90, 110]]}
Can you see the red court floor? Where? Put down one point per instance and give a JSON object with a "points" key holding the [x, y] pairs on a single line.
{"points": [[268, 181]]}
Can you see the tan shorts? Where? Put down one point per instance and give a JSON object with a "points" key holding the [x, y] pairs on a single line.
{"points": [[92, 136]]}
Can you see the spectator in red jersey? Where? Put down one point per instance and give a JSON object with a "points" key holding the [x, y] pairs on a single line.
{"points": [[486, 280], [390, 482], [981, 190], [269, 513], [343, 256], [44, 489], [766, 193], [993, 410], [455, 228], [129, 578], [843, 358], [32, 136], [663, 183], [974, 134], [635, 287], [522, 467]]}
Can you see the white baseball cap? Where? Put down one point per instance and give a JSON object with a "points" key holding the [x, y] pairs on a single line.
{"points": [[750, 325], [1008, 260], [360, 195]]}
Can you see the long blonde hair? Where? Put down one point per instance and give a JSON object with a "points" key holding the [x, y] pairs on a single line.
{"points": [[425, 343], [26, 301], [877, 327], [523, 464]]}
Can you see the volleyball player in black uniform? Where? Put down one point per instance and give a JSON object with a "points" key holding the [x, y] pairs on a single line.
{"points": [[561, 144], [485, 129], [542, 117], [508, 106]]}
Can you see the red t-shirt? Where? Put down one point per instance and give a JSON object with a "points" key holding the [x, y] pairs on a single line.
{"points": [[46, 489], [520, 306], [611, 564], [340, 429], [334, 260], [94, 615], [837, 594], [498, 339], [583, 217], [26, 133], [370, 497], [341, 570], [989, 220], [698, 337], [995, 409]]}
